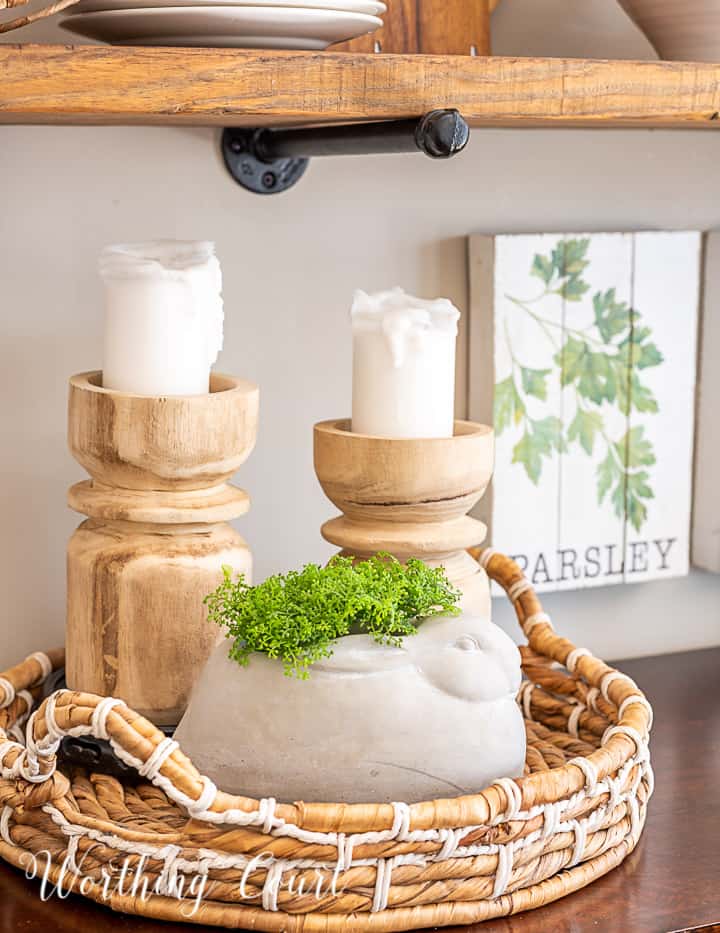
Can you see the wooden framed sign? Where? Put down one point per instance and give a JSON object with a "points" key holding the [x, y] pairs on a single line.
{"points": [[582, 353], [706, 505]]}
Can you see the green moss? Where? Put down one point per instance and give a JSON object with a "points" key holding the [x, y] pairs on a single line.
{"points": [[297, 616]]}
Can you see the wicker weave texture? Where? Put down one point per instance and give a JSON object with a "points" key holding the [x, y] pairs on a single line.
{"points": [[576, 813]]}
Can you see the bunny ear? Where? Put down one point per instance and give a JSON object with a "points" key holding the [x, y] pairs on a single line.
{"points": [[359, 654]]}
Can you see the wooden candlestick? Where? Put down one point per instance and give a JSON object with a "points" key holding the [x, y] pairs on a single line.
{"points": [[409, 497], [156, 537]]}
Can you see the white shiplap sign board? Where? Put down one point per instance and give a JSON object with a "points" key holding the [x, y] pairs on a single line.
{"points": [[582, 353]]}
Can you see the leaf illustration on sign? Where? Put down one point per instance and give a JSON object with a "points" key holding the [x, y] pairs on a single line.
{"points": [[600, 364]]}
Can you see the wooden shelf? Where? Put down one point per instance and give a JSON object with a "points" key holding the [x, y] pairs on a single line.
{"points": [[225, 87]]}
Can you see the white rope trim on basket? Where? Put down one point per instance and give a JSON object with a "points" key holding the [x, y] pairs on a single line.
{"points": [[514, 797], [590, 772], [574, 719], [9, 692], [525, 697], [17, 730], [205, 800], [271, 888], [167, 880], [591, 699], [504, 869], [7, 812], [6, 747], [344, 857], [628, 732], [26, 765], [45, 663], [486, 556], [615, 791], [383, 879], [551, 818], [537, 618], [580, 829], [635, 824], [71, 853], [28, 768], [54, 733], [637, 780], [452, 840], [574, 656], [270, 819], [636, 700], [518, 588], [649, 776], [46, 748], [163, 750], [401, 822], [608, 679], [100, 716]]}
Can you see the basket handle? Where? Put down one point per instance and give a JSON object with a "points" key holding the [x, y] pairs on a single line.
{"points": [[528, 608]]}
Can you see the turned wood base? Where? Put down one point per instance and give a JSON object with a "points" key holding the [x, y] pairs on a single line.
{"points": [[156, 538], [409, 497], [135, 605]]}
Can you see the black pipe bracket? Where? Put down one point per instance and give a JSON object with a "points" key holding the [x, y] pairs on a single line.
{"points": [[268, 161]]}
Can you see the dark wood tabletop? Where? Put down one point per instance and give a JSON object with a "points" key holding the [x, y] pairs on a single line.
{"points": [[671, 882]]}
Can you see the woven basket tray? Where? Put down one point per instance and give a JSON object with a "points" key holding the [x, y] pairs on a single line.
{"points": [[577, 813]]}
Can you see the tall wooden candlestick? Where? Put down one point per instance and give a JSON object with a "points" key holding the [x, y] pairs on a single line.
{"points": [[410, 497], [156, 537]]}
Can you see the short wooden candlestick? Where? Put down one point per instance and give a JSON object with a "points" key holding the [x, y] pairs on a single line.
{"points": [[156, 537], [410, 497]]}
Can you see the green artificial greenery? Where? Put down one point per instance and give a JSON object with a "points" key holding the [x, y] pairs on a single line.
{"points": [[297, 616], [599, 365]]}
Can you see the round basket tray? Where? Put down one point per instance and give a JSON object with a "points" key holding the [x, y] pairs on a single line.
{"points": [[207, 857]]}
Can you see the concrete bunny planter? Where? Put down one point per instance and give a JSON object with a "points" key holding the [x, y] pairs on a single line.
{"points": [[435, 718]]}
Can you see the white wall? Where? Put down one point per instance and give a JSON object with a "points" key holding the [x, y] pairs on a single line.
{"points": [[290, 265]]}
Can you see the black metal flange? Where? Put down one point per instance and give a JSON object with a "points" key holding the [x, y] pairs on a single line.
{"points": [[268, 161], [241, 149]]}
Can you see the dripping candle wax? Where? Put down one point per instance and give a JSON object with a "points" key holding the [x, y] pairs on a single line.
{"points": [[163, 317], [403, 365]]}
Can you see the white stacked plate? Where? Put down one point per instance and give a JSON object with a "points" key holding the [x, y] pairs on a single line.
{"points": [[256, 24]]}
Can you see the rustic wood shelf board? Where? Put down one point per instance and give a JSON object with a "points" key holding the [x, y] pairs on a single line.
{"points": [[225, 87]]}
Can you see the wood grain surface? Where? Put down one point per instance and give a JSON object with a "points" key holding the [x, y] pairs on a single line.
{"points": [[436, 27], [669, 883], [137, 626], [174, 443], [409, 496], [224, 87]]}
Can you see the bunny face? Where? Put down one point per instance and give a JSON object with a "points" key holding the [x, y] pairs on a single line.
{"points": [[463, 656], [466, 657]]}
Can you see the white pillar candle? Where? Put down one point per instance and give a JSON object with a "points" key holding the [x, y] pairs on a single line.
{"points": [[163, 317], [403, 365]]}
